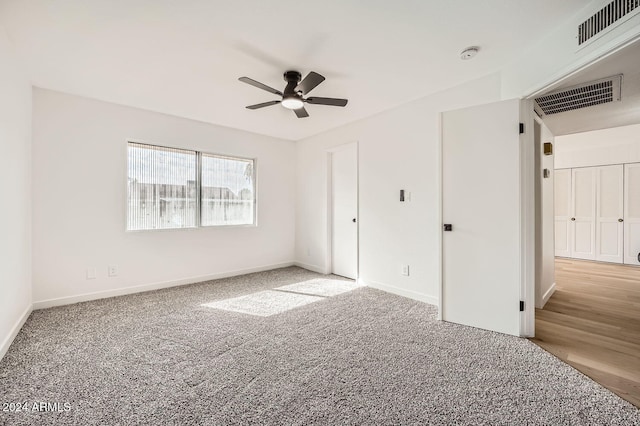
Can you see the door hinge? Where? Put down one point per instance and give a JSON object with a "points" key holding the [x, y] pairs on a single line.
{"points": [[521, 128], [522, 306]]}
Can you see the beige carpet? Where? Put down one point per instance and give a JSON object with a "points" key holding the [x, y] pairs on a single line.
{"points": [[360, 356]]}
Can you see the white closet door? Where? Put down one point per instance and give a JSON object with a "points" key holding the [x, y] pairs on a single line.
{"points": [[583, 223], [344, 182], [562, 207], [609, 212], [631, 213]]}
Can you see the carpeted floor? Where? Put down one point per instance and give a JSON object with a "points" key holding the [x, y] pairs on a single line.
{"points": [[358, 357]]}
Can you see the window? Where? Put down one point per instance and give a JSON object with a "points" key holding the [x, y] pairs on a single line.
{"points": [[227, 191], [171, 188], [161, 188]]}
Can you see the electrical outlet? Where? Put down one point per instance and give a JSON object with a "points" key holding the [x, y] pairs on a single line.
{"points": [[91, 273], [405, 270], [112, 270]]}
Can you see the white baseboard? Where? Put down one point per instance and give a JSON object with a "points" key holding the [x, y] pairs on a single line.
{"points": [[4, 347], [313, 268], [548, 294], [415, 295], [42, 304]]}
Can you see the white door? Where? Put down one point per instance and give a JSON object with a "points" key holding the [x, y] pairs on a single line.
{"points": [[632, 214], [609, 213], [562, 207], [484, 160], [583, 219], [344, 190]]}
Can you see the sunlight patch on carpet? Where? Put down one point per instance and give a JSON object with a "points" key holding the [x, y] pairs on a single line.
{"points": [[321, 287], [264, 303]]}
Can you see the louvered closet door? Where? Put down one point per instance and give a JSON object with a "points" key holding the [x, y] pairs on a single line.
{"points": [[631, 213], [562, 207], [583, 223], [609, 212]]}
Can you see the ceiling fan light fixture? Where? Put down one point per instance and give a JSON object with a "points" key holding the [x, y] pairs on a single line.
{"points": [[292, 103]]}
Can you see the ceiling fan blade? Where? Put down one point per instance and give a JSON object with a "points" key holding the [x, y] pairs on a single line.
{"points": [[262, 105], [327, 101], [301, 112], [260, 85], [309, 83]]}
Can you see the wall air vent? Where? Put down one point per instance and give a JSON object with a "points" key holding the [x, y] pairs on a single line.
{"points": [[605, 18], [581, 96]]}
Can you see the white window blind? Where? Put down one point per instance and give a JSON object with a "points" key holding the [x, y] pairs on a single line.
{"points": [[227, 191], [172, 188], [162, 187]]}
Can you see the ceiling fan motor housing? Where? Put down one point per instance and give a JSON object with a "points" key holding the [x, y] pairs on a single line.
{"points": [[292, 78]]}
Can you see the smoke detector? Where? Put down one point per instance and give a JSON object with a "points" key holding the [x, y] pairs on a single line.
{"points": [[469, 53]]}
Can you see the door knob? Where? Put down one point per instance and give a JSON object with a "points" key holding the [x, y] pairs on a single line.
{"points": [[354, 220], [573, 218], [620, 220]]}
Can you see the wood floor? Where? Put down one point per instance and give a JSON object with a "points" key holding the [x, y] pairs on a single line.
{"points": [[592, 322]]}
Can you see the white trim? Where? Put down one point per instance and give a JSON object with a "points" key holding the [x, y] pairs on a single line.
{"points": [[328, 255], [357, 209], [415, 295], [440, 221], [527, 220], [314, 268], [547, 295], [6, 343], [42, 304]]}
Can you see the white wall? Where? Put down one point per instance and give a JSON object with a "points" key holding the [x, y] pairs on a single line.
{"points": [[398, 149], [617, 145], [556, 55], [79, 195], [545, 219], [15, 187]]}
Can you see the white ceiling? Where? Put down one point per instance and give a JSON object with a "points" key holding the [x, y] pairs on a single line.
{"points": [[184, 57], [616, 114]]}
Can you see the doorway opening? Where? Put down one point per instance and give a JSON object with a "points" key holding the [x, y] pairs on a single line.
{"points": [[587, 284]]}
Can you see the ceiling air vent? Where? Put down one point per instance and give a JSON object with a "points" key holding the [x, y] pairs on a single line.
{"points": [[605, 18], [581, 96]]}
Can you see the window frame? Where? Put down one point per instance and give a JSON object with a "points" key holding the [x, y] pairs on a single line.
{"points": [[198, 213]]}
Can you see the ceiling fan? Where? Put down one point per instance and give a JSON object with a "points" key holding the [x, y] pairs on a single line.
{"points": [[293, 96]]}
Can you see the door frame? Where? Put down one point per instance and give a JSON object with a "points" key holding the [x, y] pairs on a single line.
{"points": [[329, 211], [554, 81]]}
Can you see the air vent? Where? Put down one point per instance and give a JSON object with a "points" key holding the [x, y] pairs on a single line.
{"points": [[581, 96], [606, 18]]}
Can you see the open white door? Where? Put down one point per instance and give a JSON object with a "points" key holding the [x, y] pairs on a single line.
{"points": [[488, 199], [344, 190]]}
